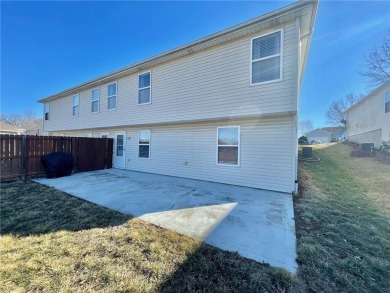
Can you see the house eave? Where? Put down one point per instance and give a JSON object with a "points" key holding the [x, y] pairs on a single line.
{"points": [[277, 17]]}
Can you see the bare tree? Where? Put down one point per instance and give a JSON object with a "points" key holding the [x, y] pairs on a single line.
{"points": [[27, 121], [336, 112], [377, 64], [305, 126]]}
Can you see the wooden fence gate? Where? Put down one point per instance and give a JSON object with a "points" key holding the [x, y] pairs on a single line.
{"points": [[21, 154]]}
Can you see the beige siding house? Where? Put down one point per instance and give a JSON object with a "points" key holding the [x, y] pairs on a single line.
{"points": [[223, 108], [6, 128], [369, 120], [325, 134]]}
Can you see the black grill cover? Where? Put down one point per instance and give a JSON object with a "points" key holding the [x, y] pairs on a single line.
{"points": [[58, 164]]}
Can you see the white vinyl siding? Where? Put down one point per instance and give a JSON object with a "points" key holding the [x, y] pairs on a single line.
{"points": [[75, 105], [112, 94], [46, 109], [212, 84], [228, 145], [144, 88], [368, 121], [189, 150], [144, 144], [387, 101], [95, 95], [266, 63]]}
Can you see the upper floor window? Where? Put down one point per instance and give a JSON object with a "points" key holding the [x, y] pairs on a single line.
{"points": [[95, 100], [75, 110], [46, 110], [144, 94], [387, 102], [266, 65], [228, 145], [112, 92], [144, 144]]}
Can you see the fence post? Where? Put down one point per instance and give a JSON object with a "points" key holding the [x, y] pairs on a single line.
{"points": [[75, 151], [23, 155], [106, 154]]}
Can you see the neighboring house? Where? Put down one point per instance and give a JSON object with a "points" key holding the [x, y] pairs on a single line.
{"points": [[335, 132], [37, 131], [368, 121], [223, 108], [6, 128], [325, 134], [320, 134]]}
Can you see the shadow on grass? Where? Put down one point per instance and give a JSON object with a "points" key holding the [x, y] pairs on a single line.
{"points": [[210, 269], [30, 208]]}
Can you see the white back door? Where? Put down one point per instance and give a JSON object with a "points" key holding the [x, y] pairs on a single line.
{"points": [[119, 149]]}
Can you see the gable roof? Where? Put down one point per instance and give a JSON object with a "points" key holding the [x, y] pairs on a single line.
{"points": [[318, 129], [333, 129], [374, 92], [276, 17]]}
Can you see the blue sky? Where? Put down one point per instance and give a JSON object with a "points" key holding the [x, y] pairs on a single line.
{"points": [[47, 47]]}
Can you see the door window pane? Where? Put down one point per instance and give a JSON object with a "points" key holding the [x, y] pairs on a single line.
{"points": [[119, 145]]}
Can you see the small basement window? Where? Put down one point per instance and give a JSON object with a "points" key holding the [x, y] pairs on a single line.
{"points": [[266, 58], [144, 144], [75, 110], [228, 145], [112, 93]]}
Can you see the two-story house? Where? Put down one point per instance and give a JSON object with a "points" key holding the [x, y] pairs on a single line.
{"points": [[368, 121], [223, 108]]}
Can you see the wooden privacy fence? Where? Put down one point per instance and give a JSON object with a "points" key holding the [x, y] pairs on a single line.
{"points": [[21, 154]]}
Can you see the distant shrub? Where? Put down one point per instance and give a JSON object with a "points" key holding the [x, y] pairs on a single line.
{"points": [[303, 139]]}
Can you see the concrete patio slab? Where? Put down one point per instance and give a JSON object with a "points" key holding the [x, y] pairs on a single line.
{"points": [[258, 224]]}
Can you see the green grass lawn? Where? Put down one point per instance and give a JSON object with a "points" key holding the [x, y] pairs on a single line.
{"points": [[52, 242], [343, 222]]}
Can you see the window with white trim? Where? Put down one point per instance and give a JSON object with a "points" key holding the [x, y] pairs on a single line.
{"points": [[266, 58], [46, 108], [144, 88], [144, 144], [228, 145], [112, 92], [95, 94], [387, 102], [75, 108]]}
